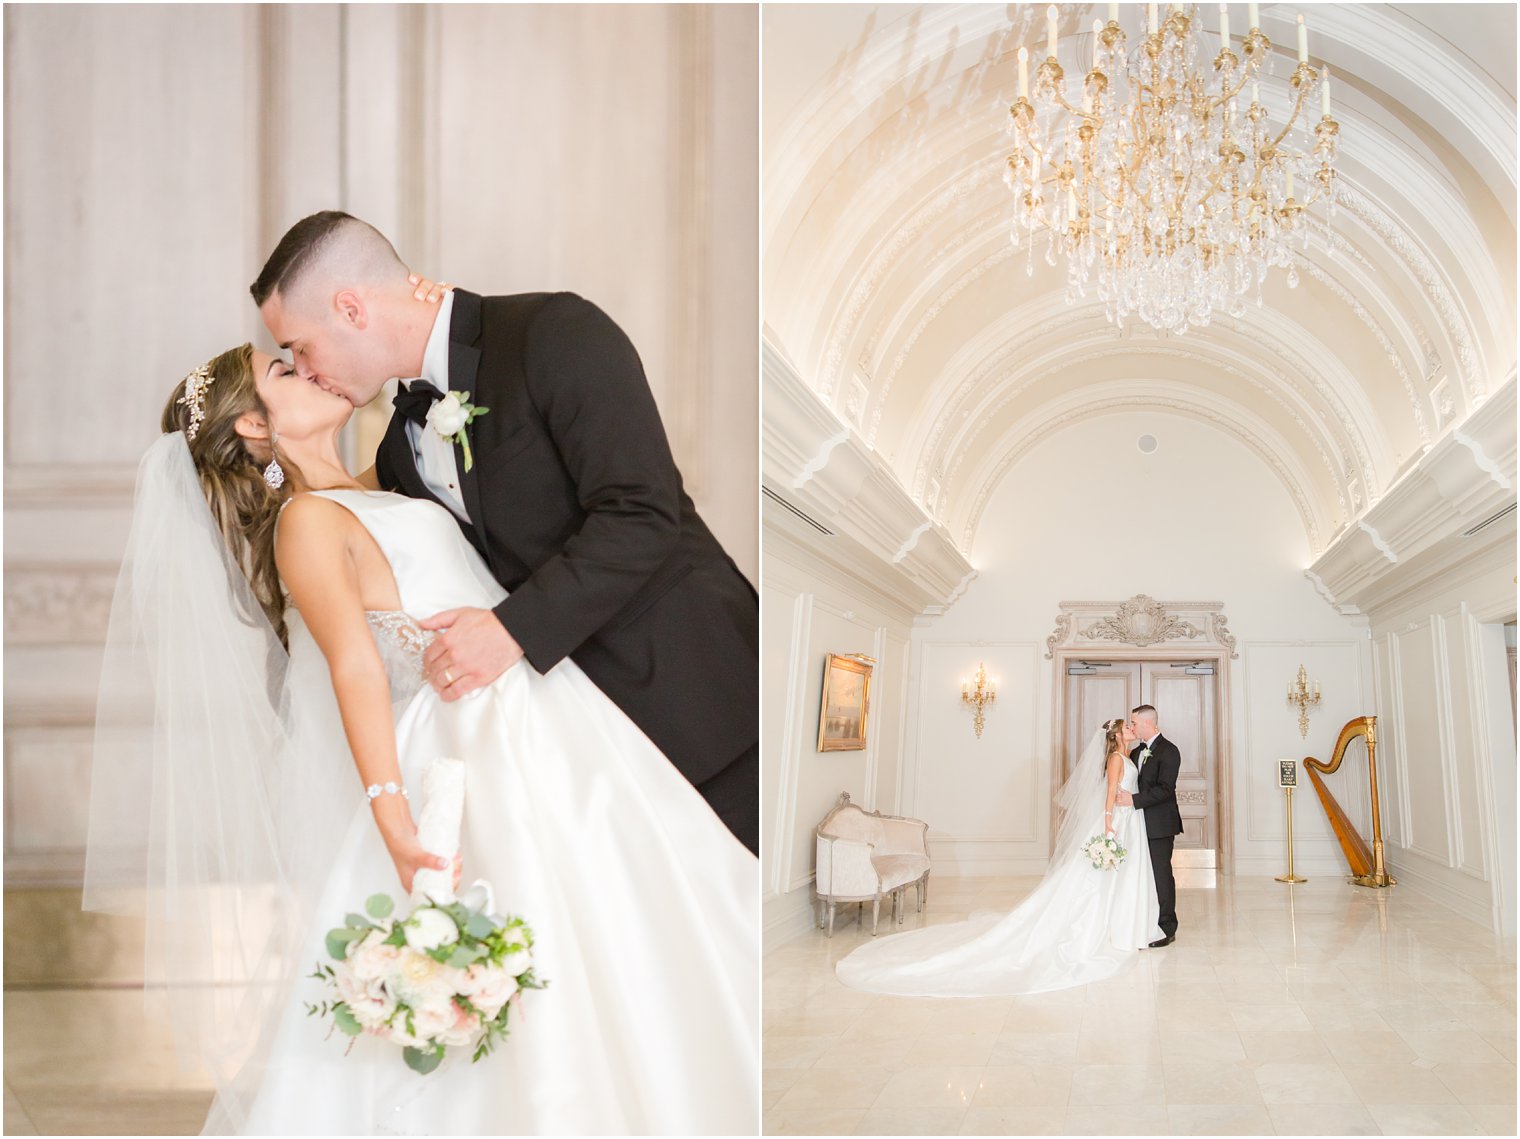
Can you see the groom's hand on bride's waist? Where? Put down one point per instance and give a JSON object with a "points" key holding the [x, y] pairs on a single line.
{"points": [[1124, 799], [471, 650]]}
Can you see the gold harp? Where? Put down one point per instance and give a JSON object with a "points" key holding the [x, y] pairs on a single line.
{"points": [[1367, 867]]}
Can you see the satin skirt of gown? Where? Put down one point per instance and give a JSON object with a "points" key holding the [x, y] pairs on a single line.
{"points": [[643, 905], [1080, 925]]}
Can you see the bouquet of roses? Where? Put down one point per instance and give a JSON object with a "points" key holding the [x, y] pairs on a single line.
{"points": [[1104, 851], [444, 977]]}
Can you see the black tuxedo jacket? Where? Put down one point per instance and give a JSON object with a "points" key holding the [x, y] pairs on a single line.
{"points": [[577, 507], [1156, 793]]}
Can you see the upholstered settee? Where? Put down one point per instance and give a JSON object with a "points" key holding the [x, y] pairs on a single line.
{"points": [[864, 856]]}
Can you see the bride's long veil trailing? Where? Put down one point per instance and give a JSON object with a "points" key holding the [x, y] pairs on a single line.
{"points": [[1081, 799], [202, 822]]}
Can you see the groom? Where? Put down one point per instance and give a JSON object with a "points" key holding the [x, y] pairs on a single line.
{"points": [[1159, 762], [564, 483]]}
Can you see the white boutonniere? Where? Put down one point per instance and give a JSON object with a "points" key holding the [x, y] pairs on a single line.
{"points": [[1145, 754], [451, 417]]}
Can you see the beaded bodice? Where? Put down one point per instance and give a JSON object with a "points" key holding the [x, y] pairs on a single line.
{"points": [[401, 641]]}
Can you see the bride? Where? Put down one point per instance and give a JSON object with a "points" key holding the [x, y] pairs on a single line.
{"points": [[1080, 925], [244, 801]]}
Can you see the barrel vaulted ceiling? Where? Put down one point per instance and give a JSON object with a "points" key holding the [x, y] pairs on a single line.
{"points": [[892, 288]]}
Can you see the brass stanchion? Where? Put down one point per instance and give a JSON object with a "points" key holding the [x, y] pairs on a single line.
{"points": [[1290, 876]]}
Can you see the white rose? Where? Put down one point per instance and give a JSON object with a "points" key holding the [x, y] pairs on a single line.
{"points": [[430, 1023], [447, 416], [429, 928], [493, 988]]}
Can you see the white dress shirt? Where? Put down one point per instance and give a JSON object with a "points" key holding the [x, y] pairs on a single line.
{"points": [[434, 454]]}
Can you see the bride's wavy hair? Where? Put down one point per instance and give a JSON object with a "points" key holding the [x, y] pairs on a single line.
{"points": [[1113, 737], [231, 469]]}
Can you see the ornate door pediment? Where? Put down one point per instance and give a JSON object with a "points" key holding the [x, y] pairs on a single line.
{"points": [[1141, 622]]}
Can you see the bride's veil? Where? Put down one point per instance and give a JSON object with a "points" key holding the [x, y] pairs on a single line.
{"points": [[1081, 799], [202, 823]]}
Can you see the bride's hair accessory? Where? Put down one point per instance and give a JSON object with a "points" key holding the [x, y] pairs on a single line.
{"points": [[274, 474], [194, 398], [391, 787]]}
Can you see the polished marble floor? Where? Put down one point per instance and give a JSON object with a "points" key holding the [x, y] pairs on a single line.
{"points": [[81, 1056], [1319, 1009]]}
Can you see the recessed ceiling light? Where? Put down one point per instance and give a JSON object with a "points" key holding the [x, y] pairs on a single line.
{"points": [[1147, 444]]}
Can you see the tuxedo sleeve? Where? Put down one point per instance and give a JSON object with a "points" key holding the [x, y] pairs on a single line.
{"points": [[585, 379], [1163, 788]]}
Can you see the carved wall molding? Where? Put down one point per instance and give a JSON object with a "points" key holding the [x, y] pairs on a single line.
{"points": [[1141, 622], [902, 238], [1425, 272], [1394, 357], [58, 606]]}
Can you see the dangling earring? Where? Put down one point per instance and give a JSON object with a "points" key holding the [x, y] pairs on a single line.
{"points": [[274, 474]]}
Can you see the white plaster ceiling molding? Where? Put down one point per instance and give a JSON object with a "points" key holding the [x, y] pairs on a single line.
{"points": [[1037, 342], [1417, 66], [1423, 522], [1134, 395], [890, 279], [1152, 360], [933, 288], [903, 98], [1274, 329], [814, 465], [1140, 622]]}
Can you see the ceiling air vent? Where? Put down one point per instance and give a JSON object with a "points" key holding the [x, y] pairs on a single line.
{"points": [[814, 523], [1489, 521]]}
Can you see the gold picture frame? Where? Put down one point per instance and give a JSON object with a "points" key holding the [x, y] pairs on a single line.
{"points": [[845, 704]]}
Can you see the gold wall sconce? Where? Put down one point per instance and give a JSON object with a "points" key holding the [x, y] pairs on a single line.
{"points": [[1302, 697], [978, 695]]}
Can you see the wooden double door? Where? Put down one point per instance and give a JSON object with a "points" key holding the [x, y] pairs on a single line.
{"points": [[1185, 696]]}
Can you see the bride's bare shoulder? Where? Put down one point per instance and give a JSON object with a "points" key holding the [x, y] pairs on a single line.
{"points": [[309, 522]]}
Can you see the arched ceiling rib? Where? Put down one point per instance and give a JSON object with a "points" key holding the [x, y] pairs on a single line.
{"points": [[891, 282]]}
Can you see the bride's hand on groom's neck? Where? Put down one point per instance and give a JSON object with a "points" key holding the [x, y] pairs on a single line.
{"points": [[426, 290]]}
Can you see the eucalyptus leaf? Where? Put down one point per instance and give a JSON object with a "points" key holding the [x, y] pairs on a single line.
{"points": [[379, 906], [421, 1061], [345, 1021], [338, 941]]}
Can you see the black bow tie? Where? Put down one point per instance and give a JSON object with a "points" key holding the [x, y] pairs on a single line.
{"points": [[415, 399]]}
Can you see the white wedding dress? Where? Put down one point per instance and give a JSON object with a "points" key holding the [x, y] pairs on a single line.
{"points": [[643, 905], [1079, 926]]}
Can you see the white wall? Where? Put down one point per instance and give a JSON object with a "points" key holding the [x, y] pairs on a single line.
{"points": [[1085, 516], [605, 149], [809, 608], [1447, 741]]}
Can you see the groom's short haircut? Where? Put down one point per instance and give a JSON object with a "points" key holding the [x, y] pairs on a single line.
{"points": [[330, 238], [1145, 712]]}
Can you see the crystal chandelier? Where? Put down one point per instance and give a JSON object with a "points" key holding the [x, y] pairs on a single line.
{"points": [[1173, 183]]}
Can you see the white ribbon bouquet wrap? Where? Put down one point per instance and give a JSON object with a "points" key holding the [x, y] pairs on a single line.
{"points": [[447, 974]]}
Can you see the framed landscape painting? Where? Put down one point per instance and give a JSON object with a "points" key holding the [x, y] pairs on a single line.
{"points": [[846, 697]]}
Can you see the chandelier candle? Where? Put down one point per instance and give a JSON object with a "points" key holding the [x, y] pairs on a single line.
{"points": [[1193, 186]]}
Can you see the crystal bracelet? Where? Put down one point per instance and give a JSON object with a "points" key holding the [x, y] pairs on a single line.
{"points": [[375, 790]]}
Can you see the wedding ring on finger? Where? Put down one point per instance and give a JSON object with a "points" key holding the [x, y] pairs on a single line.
{"points": [[447, 679]]}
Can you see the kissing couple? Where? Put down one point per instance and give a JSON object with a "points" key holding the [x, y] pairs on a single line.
{"points": [[1082, 923], [519, 582]]}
